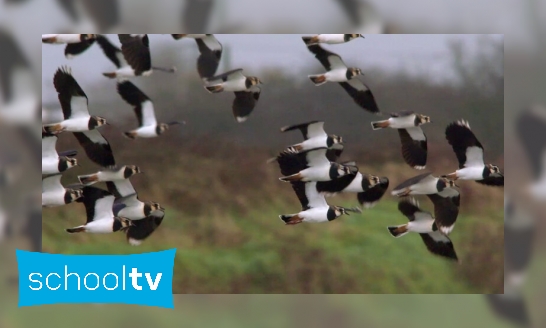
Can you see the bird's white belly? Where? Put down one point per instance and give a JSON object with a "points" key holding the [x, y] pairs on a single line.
{"points": [[76, 124], [355, 185], [402, 122], [50, 165], [315, 215], [64, 38], [421, 226], [110, 176], [53, 198], [100, 226], [314, 143], [125, 71], [332, 38], [132, 212], [147, 131], [338, 75], [320, 173], [470, 173], [234, 85], [424, 188]]}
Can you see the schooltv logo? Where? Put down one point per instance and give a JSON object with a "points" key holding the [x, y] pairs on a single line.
{"points": [[142, 279]]}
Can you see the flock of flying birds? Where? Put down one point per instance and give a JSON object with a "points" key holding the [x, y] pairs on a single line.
{"points": [[310, 166]]}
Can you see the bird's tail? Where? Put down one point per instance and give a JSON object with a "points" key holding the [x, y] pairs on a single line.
{"points": [[401, 192], [110, 75], [166, 70], [319, 79], [89, 179], [380, 125], [76, 229], [49, 39], [53, 128], [309, 40], [291, 178], [398, 231], [290, 218], [214, 88], [131, 135]]}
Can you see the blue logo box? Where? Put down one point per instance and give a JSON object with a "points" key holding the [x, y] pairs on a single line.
{"points": [[141, 279]]}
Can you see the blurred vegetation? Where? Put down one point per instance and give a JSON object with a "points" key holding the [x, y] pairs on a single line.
{"points": [[223, 200]]}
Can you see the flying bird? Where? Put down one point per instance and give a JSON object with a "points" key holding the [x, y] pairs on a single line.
{"points": [[446, 208], [469, 153], [414, 140], [330, 38], [67, 38], [127, 203], [144, 110], [423, 184], [53, 162], [245, 88], [369, 188], [210, 50], [142, 229], [109, 174], [136, 51], [338, 72], [312, 165], [423, 223], [100, 217], [531, 132], [96, 147], [54, 194], [74, 104], [315, 137]]}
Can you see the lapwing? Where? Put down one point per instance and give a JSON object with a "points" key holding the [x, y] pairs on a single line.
{"points": [[423, 184], [67, 38], [144, 110], [312, 165], [469, 153], [136, 51], [112, 52], [210, 50], [96, 147], [369, 188], [314, 137], [531, 132], [519, 237], [338, 72], [446, 208], [414, 140], [112, 173], [53, 162], [100, 217], [330, 38], [54, 194], [423, 223], [74, 104], [245, 88], [127, 203], [315, 209], [142, 229]]}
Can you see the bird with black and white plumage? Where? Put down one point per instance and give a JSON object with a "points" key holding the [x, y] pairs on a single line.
{"points": [[369, 188], [210, 50], [67, 38], [144, 110], [315, 209], [414, 140], [136, 52], [446, 208], [338, 72], [531, 132], [423, 184], [312, 165], [111, 173], [469, 152], [100, 217], [519, 237], [424, 224], [330, 38], [74, 104], [55, 194], [96, 147], [245, 88], [52, 161], [140, 230], [314, 137], [127, 204]]}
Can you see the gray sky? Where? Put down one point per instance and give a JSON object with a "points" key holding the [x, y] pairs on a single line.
{"points": [[426, 55]]}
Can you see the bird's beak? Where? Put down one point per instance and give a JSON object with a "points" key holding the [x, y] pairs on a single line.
{"points": [[362, 36], [162, 208], [261, 82]]}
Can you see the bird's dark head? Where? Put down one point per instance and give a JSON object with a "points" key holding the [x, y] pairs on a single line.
{"points": [[336, 139], [125, 223], [355, 71], [97, 121], [156, 207], [85, 37], [423, 119], [162, 127], [446, 182], [71, 162], [75, 194], [374, 180], [254, 80], [131, 170], [493, 169], [339, 211], [349, 37]]}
